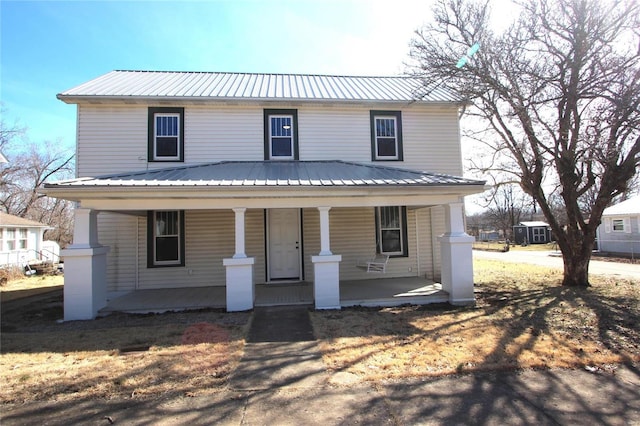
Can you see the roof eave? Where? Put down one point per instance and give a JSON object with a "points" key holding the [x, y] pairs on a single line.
{"points": [[77, 193], [98, 99]]}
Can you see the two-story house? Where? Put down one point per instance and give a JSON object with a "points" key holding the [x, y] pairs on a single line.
{"points": [[226, 181]]}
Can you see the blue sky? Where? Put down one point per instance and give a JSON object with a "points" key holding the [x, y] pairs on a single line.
{"points": [[50, 46]]}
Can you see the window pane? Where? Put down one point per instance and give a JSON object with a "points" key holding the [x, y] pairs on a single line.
{"points": [[386, 147], [386, 127], [391, 241], [22, 244], [389, 217], [281, 126], [618, 225], [166, 223], [166, 126], [11, 233], [167, 249], [23, 233], [281, 147], [167, 147]]}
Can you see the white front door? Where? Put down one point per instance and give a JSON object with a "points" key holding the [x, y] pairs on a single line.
{"points": [[284, 244]]}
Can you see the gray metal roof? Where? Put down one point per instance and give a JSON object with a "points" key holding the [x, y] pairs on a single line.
{"points": [[270, 174], [244, 86]]}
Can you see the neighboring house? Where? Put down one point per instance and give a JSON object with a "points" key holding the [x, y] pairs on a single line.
{"points": [[619, 231], [532, 233], [221, 179], [21, 241]]}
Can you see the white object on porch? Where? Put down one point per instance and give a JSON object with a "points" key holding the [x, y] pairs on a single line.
{"points": [[378, 263]]}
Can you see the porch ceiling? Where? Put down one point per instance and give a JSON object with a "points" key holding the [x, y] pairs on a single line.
{"points": [[260, 184]]}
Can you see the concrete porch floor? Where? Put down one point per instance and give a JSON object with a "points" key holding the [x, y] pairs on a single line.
{"points": [[371, 292]]}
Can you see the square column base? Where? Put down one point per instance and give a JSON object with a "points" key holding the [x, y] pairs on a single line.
{"points": [[326, 283], [457, 268], [240, 288], [85, 282]]}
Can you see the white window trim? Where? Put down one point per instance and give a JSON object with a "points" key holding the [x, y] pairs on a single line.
{"points": [[293, 146], [375, 127], [157, 262], [400, 228], [615, 222], [156, 157]]}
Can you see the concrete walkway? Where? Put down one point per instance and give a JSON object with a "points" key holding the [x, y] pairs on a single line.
{"points": [[281, 380]]}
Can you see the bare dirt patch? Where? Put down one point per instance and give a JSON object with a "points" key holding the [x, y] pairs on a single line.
{"points": [[523, 319], [116, 357]]}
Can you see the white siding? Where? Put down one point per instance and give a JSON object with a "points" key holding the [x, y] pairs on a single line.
{"points": [[334, 133], [431, 140], [113, 138], [119, 232], [353, 237], [215, 134]]}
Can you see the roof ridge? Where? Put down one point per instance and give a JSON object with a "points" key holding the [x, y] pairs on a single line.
{"points": [[407, 77]]}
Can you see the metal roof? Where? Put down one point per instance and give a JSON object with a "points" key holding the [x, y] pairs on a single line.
{"points": [[270, 174], [245, 86], [624, 208], [534, 224]]}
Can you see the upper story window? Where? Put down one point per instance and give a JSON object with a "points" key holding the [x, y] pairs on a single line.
{"points": [[165, 238], [391, 231], [166, 134], [280, 134], [386, 135]]}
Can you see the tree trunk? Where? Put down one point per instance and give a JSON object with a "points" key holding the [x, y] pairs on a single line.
{"points": [[576, 269]]}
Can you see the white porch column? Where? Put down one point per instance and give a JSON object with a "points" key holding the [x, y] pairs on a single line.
{"points": [[239, 271], [85, 269], [326, 268], [456, 257]]}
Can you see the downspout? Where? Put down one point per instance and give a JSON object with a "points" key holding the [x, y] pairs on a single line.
{"points": [[137, 283], [415, 213]]}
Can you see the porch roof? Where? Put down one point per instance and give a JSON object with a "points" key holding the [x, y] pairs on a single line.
{"points": [[270, 174]]}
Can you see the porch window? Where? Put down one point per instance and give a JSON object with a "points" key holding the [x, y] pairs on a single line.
{"points": [[166, 134], [386, 135], [166, 238], [280, 134], [391, 231]]}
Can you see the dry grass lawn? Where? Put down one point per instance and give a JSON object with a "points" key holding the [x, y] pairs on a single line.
{"points": [[523, 319], [121, 356], [26, 286]]}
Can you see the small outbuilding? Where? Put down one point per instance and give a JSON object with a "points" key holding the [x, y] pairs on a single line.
{"points": [[21, 241], [619, 232], [534, 232]]}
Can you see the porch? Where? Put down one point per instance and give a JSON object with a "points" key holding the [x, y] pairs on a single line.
{"points": [[371, 292]]}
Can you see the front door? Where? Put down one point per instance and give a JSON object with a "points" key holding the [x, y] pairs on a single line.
{"points": [[284, 244]]}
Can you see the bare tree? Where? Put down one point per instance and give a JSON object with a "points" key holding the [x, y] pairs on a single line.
{"points": [[30, 166], [505, 207], [559, 91]]}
